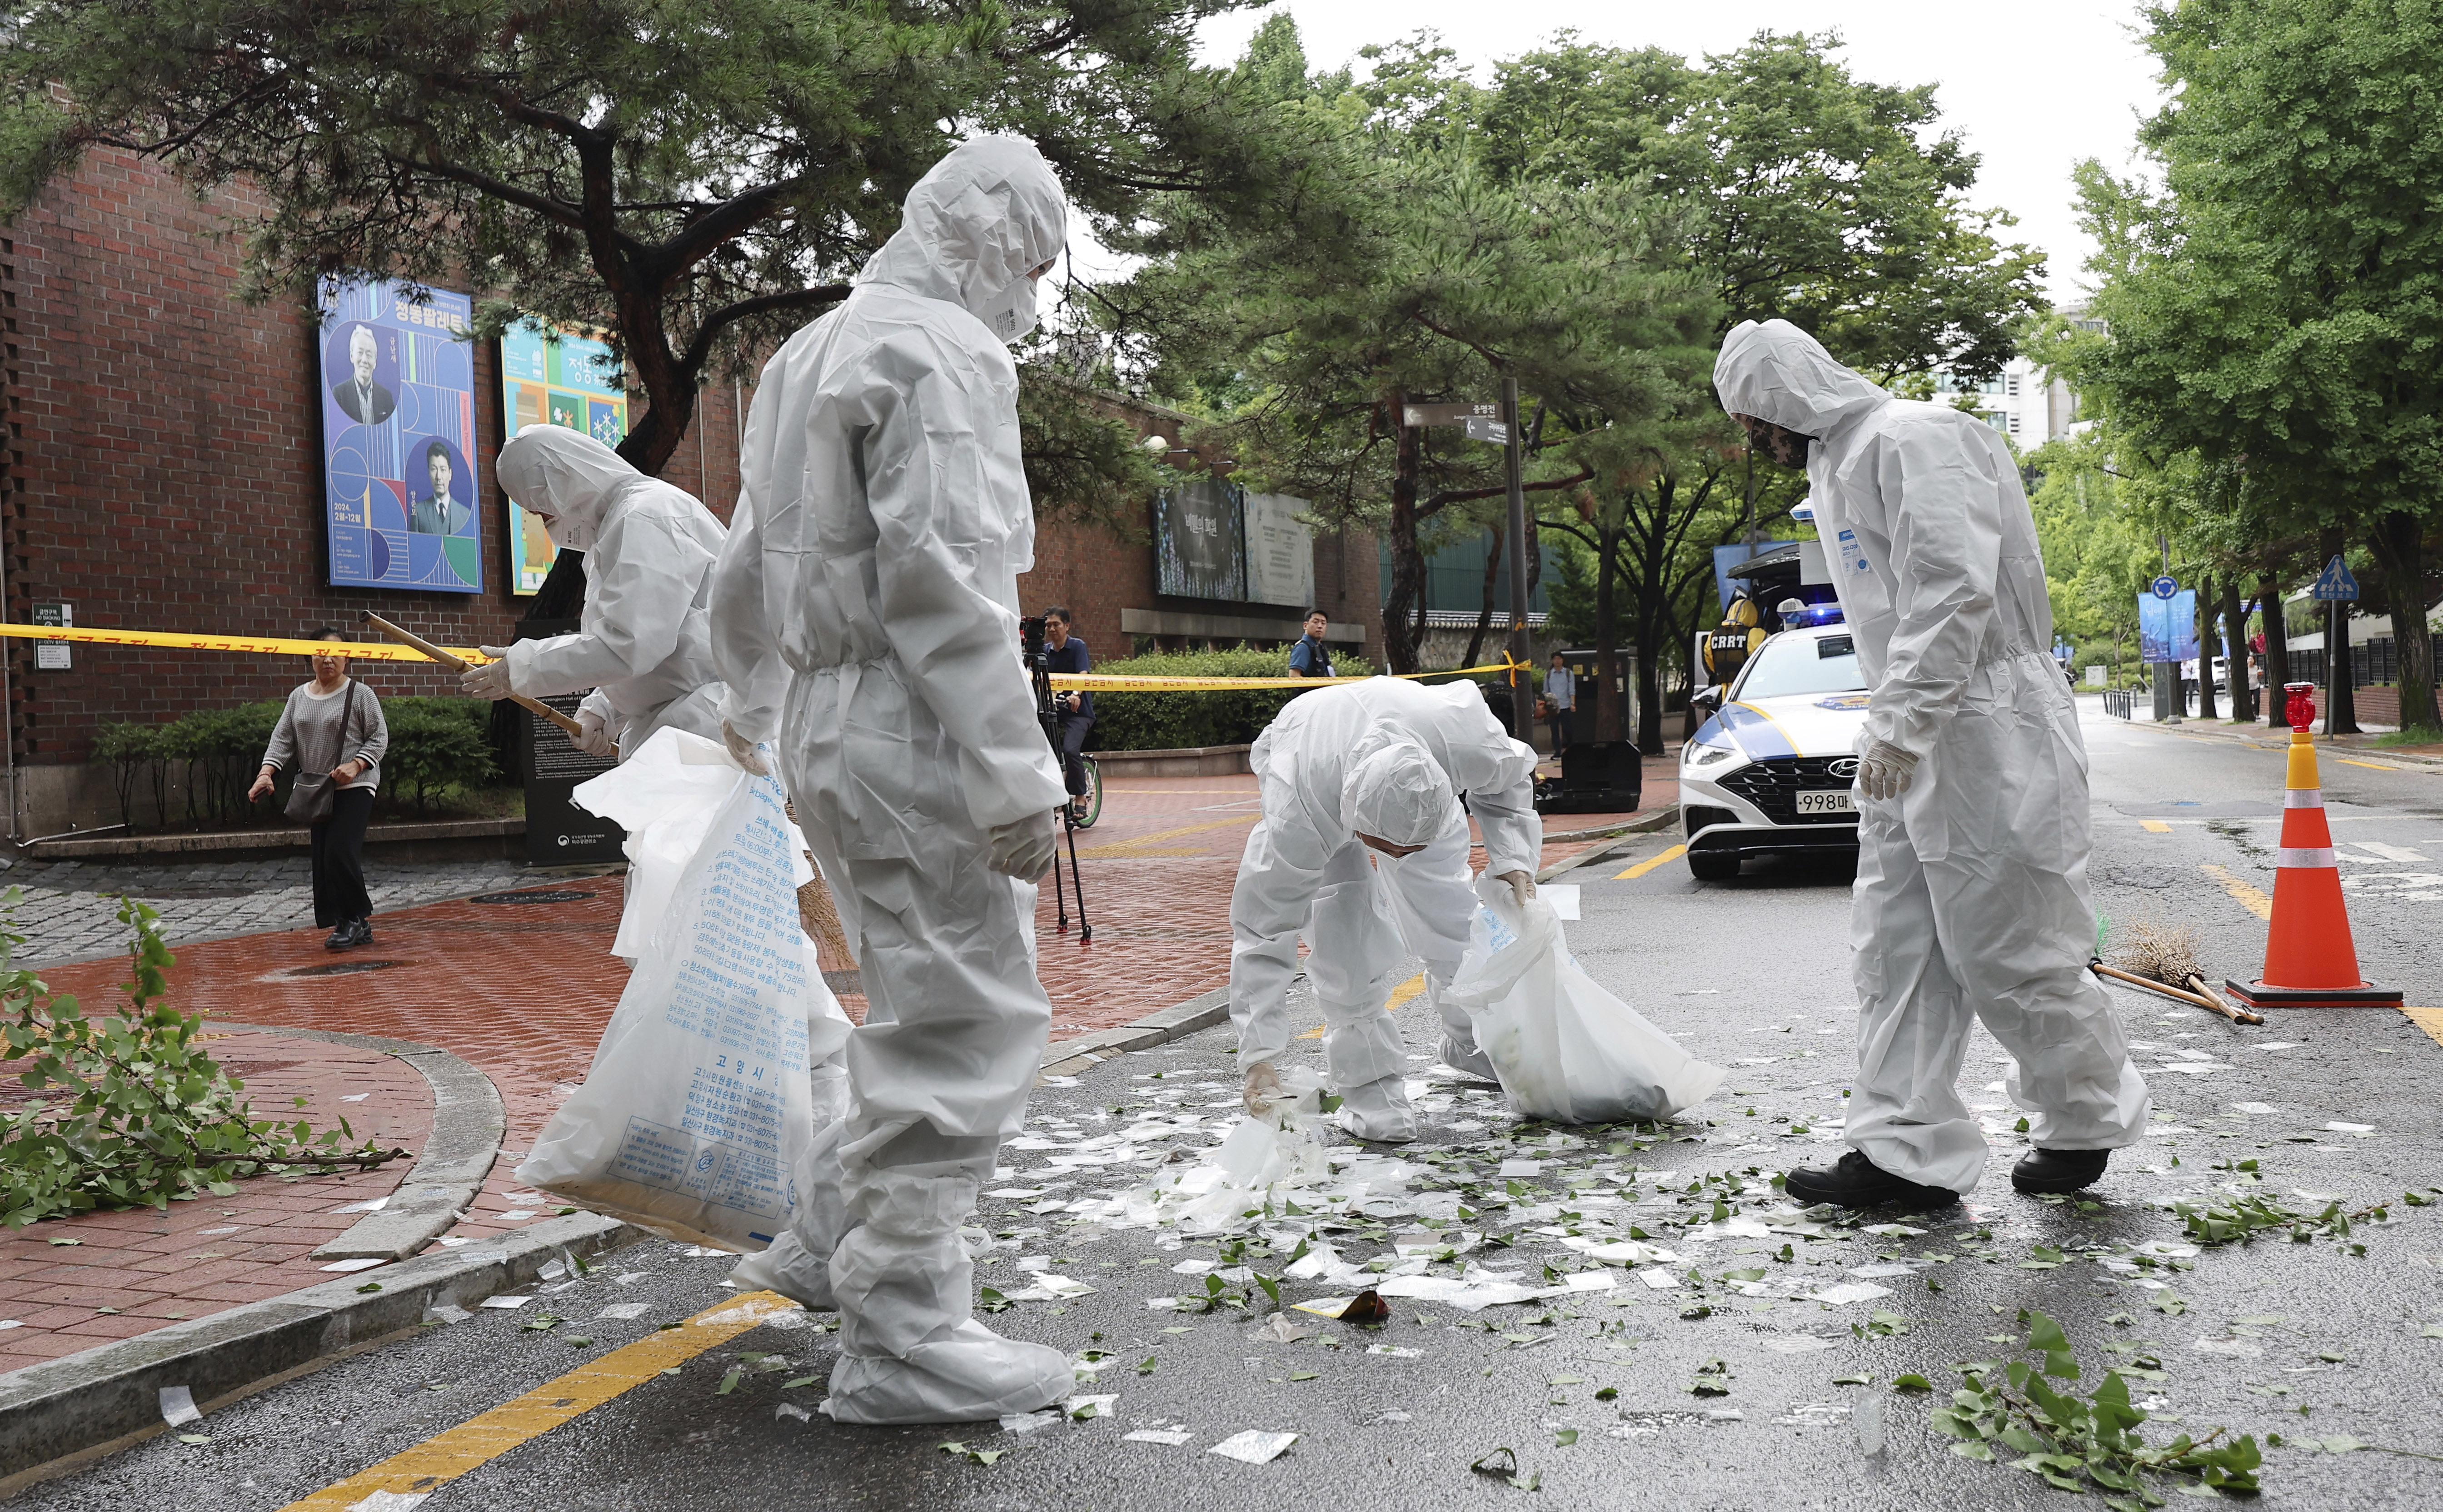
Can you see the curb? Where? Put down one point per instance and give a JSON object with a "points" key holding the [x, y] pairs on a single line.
{"points": [[109, 1396], [469, 1122]]}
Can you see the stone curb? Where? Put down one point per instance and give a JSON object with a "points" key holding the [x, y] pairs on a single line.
{"points": [[1208, 1008], [111, 1392], [469, 1122], [222, 841]]}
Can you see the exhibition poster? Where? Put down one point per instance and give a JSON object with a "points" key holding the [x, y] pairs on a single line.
{"points": [[398, 424], [554, 376], [1200, 537]]}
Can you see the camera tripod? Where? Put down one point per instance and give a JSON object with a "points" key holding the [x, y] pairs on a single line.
{"points": [[1047, 714]]}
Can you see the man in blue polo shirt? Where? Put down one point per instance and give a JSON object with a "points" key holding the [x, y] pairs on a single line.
{"points": [[1308, 658], [1064, 652]]}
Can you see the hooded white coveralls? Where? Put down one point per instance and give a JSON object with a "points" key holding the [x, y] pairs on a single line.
{"points": [[646, 644], [1972, 895], [866, 612], [1304, 869]]}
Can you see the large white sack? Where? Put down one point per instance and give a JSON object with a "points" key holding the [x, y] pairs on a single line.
{"points": [[693, 1120], [1565, 1049], [664, 797]]}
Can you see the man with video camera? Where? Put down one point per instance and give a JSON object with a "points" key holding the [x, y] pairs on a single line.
{"points": [[1064, 652]]}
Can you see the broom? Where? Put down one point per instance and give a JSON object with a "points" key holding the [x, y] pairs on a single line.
{"points": [[2163, 958]]}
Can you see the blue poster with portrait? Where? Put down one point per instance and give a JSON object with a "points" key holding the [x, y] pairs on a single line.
{"points": [[399, 426]]}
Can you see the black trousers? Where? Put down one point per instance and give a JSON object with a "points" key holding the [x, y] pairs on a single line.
{"points": [[339, 860], [1559, 720], [1073, 742]]}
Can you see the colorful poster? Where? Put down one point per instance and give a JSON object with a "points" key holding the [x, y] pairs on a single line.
{"points": [[398, 424], [2167, 628], [551, 376]]}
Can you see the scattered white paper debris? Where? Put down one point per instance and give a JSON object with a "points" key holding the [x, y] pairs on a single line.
{"points": [[1254, 1447], [1587, 1281], [451, 1241], [792, 1409], [506, 1303], [624, 1311], [1027, 1422], [355, 1265], [442, 1312], [12, 1322], [2274, 1044], [1103, 1405], [369, 1205], [1278, 1329], [2255, 1107], [1657, 1278], [390, 1502], [1395, 1352], [695, 1252], [178, 1407], [1870, 1272], [1173, 1436], [1521, 1168], [522, 1214], [2351, 1128], [358, 1097], [1849, 1291], [628, 1278]]}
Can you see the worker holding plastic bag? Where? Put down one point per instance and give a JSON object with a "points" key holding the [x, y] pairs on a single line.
{"points": [[1363, 847], [700, 1103], [1565, 1049], [865, 619]]}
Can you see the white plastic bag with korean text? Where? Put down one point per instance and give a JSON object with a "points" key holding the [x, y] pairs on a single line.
{"points": [[698, 1104], [1565, 1049]]}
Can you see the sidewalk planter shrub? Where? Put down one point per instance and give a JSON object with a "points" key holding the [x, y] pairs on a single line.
{"points": [[437, 747], [1173, 721], [129, 1110]]}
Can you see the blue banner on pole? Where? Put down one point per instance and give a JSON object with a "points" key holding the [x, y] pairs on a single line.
{"points": [[2167, 628]]}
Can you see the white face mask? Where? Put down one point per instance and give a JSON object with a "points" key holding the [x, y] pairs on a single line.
{"points": [[1010, 313]]}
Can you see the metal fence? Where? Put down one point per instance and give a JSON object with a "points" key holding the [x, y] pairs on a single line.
{"points": [[2373, 665], [2117, 703]]}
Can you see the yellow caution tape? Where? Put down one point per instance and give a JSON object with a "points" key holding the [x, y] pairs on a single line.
{"points": [[386, 651], [362, 651]]}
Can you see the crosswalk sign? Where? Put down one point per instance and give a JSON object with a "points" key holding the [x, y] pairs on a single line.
{"points": [[2335, 582]]}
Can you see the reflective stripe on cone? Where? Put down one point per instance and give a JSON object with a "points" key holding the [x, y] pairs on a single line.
{"points": [[2309, 957]]}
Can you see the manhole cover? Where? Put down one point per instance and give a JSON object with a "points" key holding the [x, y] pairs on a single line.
{"points": [[554, 897], [344, 968]]}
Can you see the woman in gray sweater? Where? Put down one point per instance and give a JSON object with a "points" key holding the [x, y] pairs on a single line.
{"points": [[333, 724]]}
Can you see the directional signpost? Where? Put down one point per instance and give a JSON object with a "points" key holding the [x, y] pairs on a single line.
{"points": [[1448, 414]]}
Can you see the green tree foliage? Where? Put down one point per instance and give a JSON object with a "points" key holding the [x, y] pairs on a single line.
{"points": [[2276, 309], [695, 178], [129, 1110]]}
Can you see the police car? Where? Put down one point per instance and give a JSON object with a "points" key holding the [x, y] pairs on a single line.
{"points": [[1769, 771]]}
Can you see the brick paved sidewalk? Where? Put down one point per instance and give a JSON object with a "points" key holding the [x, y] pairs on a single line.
{"points": [[130, 1272]]}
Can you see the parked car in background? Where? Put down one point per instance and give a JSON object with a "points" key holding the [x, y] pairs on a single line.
{"points": [[1769, 771]]}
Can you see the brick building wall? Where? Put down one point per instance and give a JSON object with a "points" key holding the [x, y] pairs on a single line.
{"points": [[163, 472]]}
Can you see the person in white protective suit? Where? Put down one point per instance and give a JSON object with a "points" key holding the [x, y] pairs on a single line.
{"points": [[865, 612], [1973, 828], [645, 643], [1363, 847]]}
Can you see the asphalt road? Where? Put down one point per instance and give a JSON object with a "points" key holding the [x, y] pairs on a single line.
{"points": [[2305, 1341]]}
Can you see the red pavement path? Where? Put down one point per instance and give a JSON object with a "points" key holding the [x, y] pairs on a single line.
{"points": [[213, 1253]]}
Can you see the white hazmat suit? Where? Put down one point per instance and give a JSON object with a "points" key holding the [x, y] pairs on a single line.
{"points": [[645, 645], [1972, 895], [865, 614], [1382, 757]]}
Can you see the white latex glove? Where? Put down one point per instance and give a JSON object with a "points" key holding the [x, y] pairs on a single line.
{"points": [[742, 751], [1026, 848], [595, 737], [1523, 885], [1263, 1089], [491, 679], [1885, 770]]}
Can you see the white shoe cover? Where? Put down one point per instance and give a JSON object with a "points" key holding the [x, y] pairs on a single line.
{"points": [[1380, 1111], [1467, 1058], [973, 1376], [790, 1270]]}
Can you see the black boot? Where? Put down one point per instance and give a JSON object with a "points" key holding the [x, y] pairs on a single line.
{"points": [[2042, 1171], [1858, 1182], [339, 937], [361, 932]]}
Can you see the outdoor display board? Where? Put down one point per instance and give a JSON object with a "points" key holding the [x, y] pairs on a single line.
{"points": [[554, 376], [1199, 539], [1281, 550], [398, 423], [2167, 628]]}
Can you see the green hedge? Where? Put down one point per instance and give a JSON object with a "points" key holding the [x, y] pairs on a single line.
{"points": [[437, 746], [1173, 721]]}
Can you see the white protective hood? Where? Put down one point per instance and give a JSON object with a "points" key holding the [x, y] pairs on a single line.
{"points": [[1774, 370], [1398, 793], [566, 474], [974, 227]]}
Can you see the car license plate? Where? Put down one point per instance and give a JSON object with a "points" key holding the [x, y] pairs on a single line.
{"points": [[1836, 800]]}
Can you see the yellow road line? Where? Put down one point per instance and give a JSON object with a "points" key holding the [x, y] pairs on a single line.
{"points": [[2429, 1019], [2371, 766], [2256, 901], [481, 1439], [1649, 864], [2155, 827], [1133, 843], [1406, 991]]}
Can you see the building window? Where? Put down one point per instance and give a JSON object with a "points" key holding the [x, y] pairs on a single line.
{"points": [[2013, 388], [2014, 425], [1996, 419]]}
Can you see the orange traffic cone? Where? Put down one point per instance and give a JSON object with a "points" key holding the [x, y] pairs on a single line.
{"points": [[2309, 960]]}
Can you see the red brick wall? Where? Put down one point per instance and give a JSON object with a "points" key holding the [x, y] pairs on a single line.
{"points": [[163, 464]]}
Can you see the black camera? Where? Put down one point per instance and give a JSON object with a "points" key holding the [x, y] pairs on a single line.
{"points": [[1030, 638]]}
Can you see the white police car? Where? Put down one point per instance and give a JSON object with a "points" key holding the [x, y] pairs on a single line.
{"points": [[1770, 771]]}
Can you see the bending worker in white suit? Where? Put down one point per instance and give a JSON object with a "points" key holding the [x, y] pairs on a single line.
{"points": [[1363, 846], [1973, 827], [644, 645], [866, 613]]}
